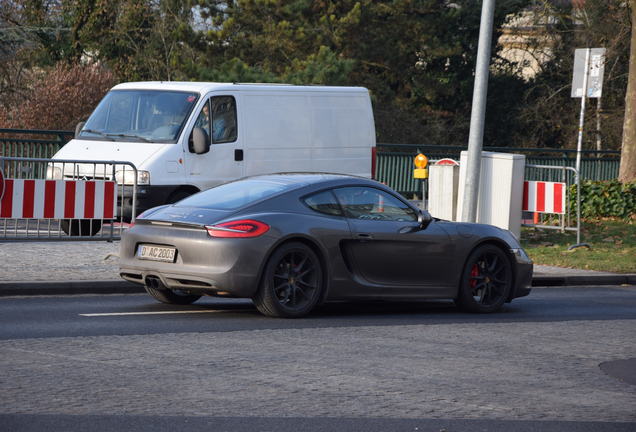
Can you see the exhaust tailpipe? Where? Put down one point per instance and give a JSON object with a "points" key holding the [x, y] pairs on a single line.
{"points": [[153, 282]]}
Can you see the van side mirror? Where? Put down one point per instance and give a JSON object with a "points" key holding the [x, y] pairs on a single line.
{"points": [[79, 128], [200, 141], [424, 218]]}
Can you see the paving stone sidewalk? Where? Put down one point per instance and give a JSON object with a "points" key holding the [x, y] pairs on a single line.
{"points": [[58, 261], [543, 270]]}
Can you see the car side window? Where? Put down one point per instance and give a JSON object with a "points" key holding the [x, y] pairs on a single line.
{"points": [[323, 202], [368, 203], [224, 127]]}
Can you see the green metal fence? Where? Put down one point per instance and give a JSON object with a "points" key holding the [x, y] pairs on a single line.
{"points": [[394, 161], [30, 143]]}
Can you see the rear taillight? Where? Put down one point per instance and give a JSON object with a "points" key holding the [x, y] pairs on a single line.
{"points": [[240, 228]]}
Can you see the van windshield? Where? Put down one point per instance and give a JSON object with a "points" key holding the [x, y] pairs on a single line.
{"points": [[140, 116]]}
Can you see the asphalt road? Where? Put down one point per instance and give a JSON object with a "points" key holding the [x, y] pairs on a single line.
{"points": [[64, 316], [110, 362]]}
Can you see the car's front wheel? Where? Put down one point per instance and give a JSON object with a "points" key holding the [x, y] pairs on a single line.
{"points": [[292, 282], [156, 289], [486, 280]]}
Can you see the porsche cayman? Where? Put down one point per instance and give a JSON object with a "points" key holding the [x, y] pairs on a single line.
{"points": [[292, 241]]}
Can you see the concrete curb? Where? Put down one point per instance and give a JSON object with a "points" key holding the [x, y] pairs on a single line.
{"points": [[573, 280], [33, 288]]}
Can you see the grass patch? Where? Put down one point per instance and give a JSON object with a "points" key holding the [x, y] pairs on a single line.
{"points": [[612, 241]]}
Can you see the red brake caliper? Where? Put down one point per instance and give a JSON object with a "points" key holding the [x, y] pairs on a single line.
{"points": [[474, 271]]}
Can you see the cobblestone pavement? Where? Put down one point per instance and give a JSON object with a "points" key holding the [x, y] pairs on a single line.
{"points": [[543, 270], [58, 261], [527, 371]]}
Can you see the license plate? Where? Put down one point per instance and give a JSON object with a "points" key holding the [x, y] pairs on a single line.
{"points": [[156, 253]]}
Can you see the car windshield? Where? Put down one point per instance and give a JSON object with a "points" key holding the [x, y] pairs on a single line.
{"points": [[140, 116], [234, 195]]}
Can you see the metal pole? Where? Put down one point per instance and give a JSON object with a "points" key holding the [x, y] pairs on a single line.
{"points": [[579, 143], [598, 138], [578, 209], [478, 113], [579, 147], [564, 179]]}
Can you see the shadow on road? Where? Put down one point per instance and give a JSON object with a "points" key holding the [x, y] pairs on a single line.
{"points": [[546, 305]]}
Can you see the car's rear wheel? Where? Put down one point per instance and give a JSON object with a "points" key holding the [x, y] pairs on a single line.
{"points": [[292, 282], [155, 288], [486, 280]]}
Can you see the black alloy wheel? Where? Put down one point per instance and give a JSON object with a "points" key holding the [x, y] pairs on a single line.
{"points": [[486, 280], [292, 282]]}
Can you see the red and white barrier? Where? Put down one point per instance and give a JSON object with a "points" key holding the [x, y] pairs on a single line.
{"points": [[544, 197], [58, 199]]}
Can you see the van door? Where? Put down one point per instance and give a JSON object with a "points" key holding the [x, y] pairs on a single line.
{"points": [[224, 161]]}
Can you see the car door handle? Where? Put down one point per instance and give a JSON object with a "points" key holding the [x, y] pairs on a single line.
{"points": [[409, 229], [364, 236]]}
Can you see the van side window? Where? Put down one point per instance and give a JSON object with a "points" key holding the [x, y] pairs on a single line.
{"points": [[323, 202], [223, 119], [203, 121]]}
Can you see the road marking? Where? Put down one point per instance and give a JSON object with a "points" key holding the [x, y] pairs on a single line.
{"points": [[162, 312]]}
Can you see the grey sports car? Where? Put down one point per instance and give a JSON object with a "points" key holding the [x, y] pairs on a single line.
{"points": [[292, 241]]}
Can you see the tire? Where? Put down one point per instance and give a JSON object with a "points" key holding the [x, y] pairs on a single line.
{"points": [[486, 280], [81, 227], [178, 196], [292, 282], [165, 295]]}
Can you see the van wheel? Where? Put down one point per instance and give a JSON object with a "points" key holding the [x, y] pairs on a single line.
{"points": [[81, 227], [178, 196]]}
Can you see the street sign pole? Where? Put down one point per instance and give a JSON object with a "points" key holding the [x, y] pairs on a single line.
{"points": [[478, 113], [579, 145], [587, 82]]}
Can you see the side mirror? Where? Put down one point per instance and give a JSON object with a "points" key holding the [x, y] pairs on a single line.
{"points": [[79, 128], [200, 141], [424, 218]]}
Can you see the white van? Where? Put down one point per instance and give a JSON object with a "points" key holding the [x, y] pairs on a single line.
{"points": [[184, 137]]}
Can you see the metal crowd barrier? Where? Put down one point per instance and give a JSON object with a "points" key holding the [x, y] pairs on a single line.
{"points": [[565, 222], [66, 200]]}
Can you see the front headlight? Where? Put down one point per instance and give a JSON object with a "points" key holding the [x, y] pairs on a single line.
{"points": [[53, 173], [521, 256], [127, 177]]}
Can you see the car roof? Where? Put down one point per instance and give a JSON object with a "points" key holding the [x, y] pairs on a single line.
{"points": [[309, 178], [205, 87]]}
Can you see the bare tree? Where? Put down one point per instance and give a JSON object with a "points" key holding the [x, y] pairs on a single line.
{"points": [[59, 98], [627, 172]]}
